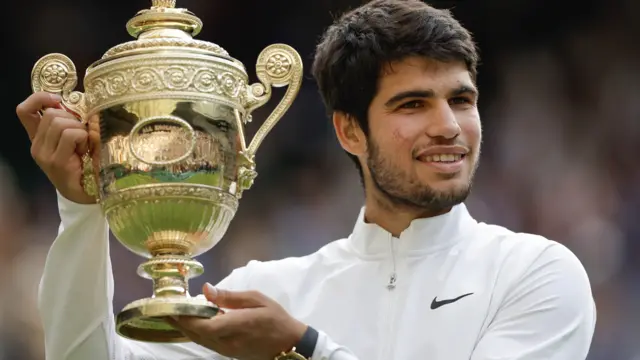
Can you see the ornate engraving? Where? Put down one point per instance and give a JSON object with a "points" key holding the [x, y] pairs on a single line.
{"points": [[246, 176], [161, 42], [152, 78], [143, 80], [279, 64], [160, 260], [89, 183], [154, 192], [162, 140], [56, 73], [176, 78], [163, 3], [205, 80]]}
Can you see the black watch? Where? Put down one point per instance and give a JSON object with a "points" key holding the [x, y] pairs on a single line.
{"points": [[307, 345], [304, 349]]}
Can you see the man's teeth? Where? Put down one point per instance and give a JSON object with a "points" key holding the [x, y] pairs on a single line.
{"points": [[441, 158]]}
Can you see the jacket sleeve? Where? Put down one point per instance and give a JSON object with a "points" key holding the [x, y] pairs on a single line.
{"points": [[76, 292], [327, 349], [549, 314]]}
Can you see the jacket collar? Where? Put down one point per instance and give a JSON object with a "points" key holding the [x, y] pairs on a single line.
{"points": [[422, 236]]}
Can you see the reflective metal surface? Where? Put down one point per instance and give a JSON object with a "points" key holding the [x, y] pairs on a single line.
{"points": [[169, 182], [168, 160]]}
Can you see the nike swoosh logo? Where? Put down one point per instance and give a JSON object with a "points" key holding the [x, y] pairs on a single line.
{"points": [[436, 304]]}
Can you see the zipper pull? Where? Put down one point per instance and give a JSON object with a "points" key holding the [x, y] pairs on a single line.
{"points": [[392, 281]]}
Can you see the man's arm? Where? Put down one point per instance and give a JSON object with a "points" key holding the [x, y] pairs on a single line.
{"points": [[549, 314], [76, 292]]}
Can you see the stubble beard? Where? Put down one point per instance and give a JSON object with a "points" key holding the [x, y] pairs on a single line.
{"points": [[402, 190]]}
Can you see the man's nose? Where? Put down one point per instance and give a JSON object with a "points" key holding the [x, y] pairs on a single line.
{"points": [[442, 122]]}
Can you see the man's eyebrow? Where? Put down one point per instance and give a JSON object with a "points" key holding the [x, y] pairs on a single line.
{"points": [[428, 93], [409, 94], [464, 89]]}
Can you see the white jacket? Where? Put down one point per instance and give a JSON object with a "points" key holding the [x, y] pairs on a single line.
{"points": [[370, 296]]}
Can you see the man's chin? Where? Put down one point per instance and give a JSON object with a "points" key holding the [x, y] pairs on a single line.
{"points": [[432, 177], [430, 200], [452, 193], [448, 183]]}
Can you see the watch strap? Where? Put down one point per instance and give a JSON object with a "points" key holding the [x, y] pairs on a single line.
{"points": [[307, 344]]}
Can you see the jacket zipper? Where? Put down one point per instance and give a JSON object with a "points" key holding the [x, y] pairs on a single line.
{"points": [[393, 276], [392, 307]]}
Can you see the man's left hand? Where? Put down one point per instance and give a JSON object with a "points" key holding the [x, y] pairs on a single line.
{"points": [[255, 328]]}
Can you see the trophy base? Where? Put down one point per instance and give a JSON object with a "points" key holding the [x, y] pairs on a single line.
{"points": [[142, 320]]}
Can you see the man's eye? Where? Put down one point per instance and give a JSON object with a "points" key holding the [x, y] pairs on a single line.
{"points": [[411, 105], [459, 101]]}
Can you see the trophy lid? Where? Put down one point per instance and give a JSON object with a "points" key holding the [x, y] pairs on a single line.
{"points": [[162, 26]]}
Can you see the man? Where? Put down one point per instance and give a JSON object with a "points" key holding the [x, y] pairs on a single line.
{"points": [[418, 278]]}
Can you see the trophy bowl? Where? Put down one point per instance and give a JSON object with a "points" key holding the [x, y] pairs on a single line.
{"points": [[168, 161]]}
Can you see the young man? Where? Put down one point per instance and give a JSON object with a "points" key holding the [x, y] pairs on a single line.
{"points": [[418, 278]]}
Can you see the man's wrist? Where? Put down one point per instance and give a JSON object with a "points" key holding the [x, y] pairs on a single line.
{"points": [[307, 344]]}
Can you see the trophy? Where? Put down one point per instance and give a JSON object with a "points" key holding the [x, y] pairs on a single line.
{"points": [[169, 161]]}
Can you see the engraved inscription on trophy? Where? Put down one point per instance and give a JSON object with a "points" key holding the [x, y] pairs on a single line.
{"points": [[162, 140]]}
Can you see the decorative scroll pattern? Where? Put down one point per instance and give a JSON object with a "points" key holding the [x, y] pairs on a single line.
{"points": [[131, 80]]}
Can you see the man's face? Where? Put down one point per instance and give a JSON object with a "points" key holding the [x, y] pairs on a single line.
{"points": [[424, 134]]}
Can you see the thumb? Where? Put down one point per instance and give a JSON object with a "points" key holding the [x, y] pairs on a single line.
{"points": [[234, 299]]}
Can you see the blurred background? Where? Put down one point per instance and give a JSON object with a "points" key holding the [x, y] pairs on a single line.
{"points": [[559, 83]]}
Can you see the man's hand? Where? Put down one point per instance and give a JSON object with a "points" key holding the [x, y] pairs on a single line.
{"points": [[58, 141], [255, 328]]}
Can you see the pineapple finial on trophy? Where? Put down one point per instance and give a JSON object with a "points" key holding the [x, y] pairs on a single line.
{"points": [[164, 20], [163, 4]]}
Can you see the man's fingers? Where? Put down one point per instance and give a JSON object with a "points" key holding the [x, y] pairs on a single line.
{"points": [[55, 127], [234, 299], [206, 332], [70, 139], [28, 110]]}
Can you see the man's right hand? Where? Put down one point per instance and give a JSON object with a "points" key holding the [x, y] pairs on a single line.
{"points": [[58, 141]]}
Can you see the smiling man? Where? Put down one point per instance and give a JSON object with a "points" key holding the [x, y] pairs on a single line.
{"points": [[419, 140], [418, 278]]}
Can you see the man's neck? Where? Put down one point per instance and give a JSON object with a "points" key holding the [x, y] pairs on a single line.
{"points": [[392, 217]]}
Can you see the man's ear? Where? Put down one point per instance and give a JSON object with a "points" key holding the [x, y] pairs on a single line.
{"points": [[350, 135]]}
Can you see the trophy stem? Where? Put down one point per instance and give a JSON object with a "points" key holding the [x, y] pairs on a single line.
{"points": [[143, 319], [170, 274]]}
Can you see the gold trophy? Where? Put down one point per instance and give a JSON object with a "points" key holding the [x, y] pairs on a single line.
{"points": [[169, 161]]}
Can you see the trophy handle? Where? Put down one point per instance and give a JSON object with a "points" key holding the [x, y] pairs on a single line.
{"points": [[278, 65], [56, 74]]}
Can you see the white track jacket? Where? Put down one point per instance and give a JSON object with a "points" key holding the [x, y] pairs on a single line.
{"points": [[449, 288]]}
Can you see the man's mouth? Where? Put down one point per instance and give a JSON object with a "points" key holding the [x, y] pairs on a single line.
{"points": [[441, 158]]}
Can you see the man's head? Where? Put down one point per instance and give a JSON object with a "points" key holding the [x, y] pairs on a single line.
{"points": [[398, 78]]}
